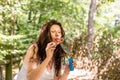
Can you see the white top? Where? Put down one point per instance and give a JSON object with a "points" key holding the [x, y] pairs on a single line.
{"points": [[47, 75]]}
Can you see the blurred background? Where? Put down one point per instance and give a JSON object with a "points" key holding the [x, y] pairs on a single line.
{"points": [[92, 29]]}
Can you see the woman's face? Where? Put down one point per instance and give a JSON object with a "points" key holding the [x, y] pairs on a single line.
{"points": [[55, 32]]}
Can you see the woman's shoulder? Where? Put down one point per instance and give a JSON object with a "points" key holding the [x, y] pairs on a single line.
{"points": [[33, 46], [31, 52]]}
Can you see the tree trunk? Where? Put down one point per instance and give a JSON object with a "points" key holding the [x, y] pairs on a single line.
{"points": [[1, 75], [30, 13], [29, 16], [8, 68], [91, 25], [13, 20], [3, 22], [34, 18], [39, 20]]}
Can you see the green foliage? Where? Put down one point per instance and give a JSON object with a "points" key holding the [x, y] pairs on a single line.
{"points": [[112, 73], [105, 44], [26, 18], [21, 21], [10, 45], [104, 56]]}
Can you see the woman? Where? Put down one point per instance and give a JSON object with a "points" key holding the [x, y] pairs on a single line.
{"points": [[43, 58]]}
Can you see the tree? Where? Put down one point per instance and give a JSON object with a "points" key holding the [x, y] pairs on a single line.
{"points": [[91, 25]]}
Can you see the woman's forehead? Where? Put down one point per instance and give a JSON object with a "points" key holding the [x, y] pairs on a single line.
{"points": [[55, 27]]}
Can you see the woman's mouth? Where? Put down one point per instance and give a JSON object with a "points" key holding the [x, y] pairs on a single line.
{"points": [[58, 40]]}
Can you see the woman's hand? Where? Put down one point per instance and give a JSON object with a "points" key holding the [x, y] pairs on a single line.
{"points": [[67, 68], [50, 49]]}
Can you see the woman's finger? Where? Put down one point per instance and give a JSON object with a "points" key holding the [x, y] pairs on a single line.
{"points": [[74, 64], [51, 44], [67, 69]]}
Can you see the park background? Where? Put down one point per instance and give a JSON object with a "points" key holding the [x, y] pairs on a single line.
{"points": [[92, 30]]}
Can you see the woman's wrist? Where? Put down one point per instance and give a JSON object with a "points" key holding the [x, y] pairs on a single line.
{"points": [[48, 58], [66, 70], [66, 74]]}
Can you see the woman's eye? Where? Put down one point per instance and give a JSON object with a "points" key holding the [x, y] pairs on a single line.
{"points": [[52, 31], [59, 32]]}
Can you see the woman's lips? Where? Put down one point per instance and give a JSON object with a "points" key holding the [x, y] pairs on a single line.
{"points": [[58, 40]]}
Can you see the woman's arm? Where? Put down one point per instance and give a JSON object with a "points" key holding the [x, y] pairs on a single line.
{"points": [[33, 70], [35, 73], [65, 74], [67, 71]]}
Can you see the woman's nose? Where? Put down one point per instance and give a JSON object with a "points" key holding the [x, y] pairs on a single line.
{"points": [[56, 34]]}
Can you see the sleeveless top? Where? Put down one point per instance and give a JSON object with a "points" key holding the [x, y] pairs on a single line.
{"points": [[47, 75]]}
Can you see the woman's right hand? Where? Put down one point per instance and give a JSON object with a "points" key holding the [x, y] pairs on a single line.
{"points": [[50, 49]]}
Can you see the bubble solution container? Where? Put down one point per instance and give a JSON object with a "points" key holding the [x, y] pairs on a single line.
{"points": [[70, 64]]}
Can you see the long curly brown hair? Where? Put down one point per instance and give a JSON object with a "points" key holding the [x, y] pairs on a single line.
{"points": [[44, 39]]}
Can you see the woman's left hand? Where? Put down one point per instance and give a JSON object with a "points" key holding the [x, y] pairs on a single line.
{"points": [[67, 68]]}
